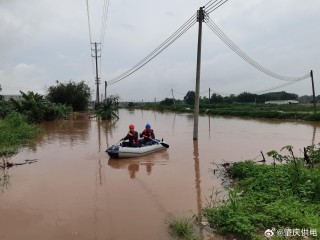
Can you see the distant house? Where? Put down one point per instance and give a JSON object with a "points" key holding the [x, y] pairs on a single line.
{"points": [[280, 102], [8, 97]]}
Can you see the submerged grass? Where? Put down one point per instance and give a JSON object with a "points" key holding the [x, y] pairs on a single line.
{"points": [[14, 133], [281, 197]]}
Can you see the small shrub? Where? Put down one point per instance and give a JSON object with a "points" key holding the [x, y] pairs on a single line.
{"points": [[183, 228]]}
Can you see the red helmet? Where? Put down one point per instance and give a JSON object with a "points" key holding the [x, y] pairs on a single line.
{"points": [[131, 126]]}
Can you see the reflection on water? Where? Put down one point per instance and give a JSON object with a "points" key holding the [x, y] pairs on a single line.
{"points": [[70, 131], [5, 183], [197, 182], [133, 168], [134, 165], [313, 135], [197, 176]]}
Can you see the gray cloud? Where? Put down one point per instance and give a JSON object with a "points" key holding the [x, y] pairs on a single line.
{"points": [[44, 41]]}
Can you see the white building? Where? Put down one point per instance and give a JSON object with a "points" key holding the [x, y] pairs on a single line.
{"points": [[8, 97], [280, 102]]}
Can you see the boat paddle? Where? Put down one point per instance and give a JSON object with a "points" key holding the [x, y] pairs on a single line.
{"points": [[162, 143]]}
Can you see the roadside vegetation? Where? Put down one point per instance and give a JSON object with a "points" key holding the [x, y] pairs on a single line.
{"points": [[183, 228], [17, 119], [15, 132], [275, 199]]}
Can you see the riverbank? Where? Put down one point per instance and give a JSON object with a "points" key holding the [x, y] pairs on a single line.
{"points": [[15, 132], [280, 200], [293, 111]]}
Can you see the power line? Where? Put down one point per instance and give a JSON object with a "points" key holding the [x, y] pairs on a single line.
{"points": [[203, 92], [186, 26], [277, 87], [168, 94], [104, 21], [245, 57], [161, 45], [90, 39], [182, 94], [210, 9], [89, 22], [209, 4]]}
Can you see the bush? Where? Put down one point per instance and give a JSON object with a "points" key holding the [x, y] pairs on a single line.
{"points": [[183, 228], [265, 196], [15, 132]]}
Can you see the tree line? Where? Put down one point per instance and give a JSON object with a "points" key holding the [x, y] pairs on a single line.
{"points": [[59, 101], [244, 97], [57, 104]]}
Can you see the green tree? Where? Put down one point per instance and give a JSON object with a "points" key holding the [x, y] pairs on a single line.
{"points": [[75, 94], [216, 98], [230, 99], [1, 97], [277, 96], [167, 102], [32, 106], [38, 109], [189, 97], [246, 97]]}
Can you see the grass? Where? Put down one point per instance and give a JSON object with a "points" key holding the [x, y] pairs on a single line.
{"points": [[299, 111], [183, 228], [285, 194], [15, 132]]}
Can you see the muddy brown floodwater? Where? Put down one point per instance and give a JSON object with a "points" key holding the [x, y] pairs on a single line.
{"points": [[74, 191]]}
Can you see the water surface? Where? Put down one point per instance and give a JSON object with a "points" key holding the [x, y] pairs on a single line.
{"points": [[74, 191]]}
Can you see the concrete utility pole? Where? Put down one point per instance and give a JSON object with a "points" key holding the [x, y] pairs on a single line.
{"points": [[95, 56], [209, 95], [174, 101], [105, 89], [200, 19], [314, 96]]}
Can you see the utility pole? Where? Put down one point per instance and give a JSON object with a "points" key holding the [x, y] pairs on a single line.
{"points": [[174, 101], [200, 19], [105, 89], [95, 56], [209, 95], [314, 96]]}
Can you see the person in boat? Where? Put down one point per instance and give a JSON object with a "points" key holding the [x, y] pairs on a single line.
{"points": [[132, 136], [147, 136]]}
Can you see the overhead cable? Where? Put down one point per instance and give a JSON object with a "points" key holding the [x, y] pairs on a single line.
{"points": [[168, 39], [277, 87], [89, 26], [177, 34], [245, 57], [89, 22], [179, 93], [209, 9], [210, 3], [104, 21]]}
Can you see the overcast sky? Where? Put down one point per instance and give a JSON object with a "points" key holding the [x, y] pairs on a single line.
{"points": [[44, 41]]}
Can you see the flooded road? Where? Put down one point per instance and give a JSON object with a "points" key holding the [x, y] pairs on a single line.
{"points": [[74, 191]]}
